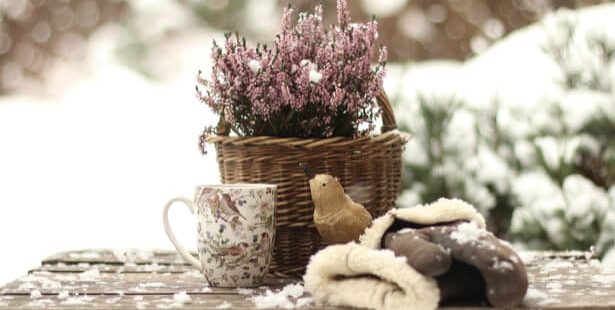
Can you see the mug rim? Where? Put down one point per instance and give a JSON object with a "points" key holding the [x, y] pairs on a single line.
{"points": [[238, 186]]}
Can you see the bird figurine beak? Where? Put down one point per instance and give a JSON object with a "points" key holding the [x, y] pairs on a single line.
{"points": [[308, 171]]}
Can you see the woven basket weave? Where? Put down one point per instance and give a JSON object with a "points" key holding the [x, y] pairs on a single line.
{"points": [[372, 162]]}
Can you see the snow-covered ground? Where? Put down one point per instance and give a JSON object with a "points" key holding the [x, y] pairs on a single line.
{"points": [[93, 166]]}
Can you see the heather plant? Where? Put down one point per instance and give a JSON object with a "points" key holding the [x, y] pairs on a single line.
{"points": [[314, 81]]}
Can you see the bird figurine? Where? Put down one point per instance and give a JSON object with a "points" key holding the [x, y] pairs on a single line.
{"points": [[337, 217]]}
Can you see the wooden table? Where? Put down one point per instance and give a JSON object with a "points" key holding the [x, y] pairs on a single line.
{"points": [[105, 279]]}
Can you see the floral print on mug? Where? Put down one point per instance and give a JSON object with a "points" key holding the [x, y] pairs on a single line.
{"points": [[236, 231]]}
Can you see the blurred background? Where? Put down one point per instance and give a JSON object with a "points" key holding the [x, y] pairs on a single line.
{"points": [[511, 105]]}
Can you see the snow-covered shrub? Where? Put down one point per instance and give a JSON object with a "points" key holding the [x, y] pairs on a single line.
{"points": [[531, 143], [451, 155]]}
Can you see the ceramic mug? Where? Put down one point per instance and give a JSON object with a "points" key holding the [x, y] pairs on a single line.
{"points": [[236, 230]]}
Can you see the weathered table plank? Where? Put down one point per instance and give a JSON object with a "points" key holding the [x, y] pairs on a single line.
{"points": [[130, 284], [104, 279], [204, 302], [117, 257], [569, 283], [112, 268]]}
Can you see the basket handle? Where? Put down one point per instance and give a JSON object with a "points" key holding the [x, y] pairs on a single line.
{"points": [[388, 118], [223, 128]]}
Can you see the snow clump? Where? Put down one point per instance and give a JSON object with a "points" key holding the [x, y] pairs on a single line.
{"points": [[182, 298], [467, 232], [90, 275], [35, 294], [282, 299]]}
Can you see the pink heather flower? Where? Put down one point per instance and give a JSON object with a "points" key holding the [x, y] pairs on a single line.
{"points": [[312, 82], [343, 16], [384, 54]]}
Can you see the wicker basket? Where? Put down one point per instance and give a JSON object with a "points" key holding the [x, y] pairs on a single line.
{"points": [[374, 162]]}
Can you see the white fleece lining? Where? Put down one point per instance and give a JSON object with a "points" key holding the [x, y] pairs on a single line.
{"points": [[441, 211], [353, 275]]}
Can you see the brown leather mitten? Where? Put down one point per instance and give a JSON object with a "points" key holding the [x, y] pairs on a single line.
{"points": [[424, 256], [482, 262], [501, 268]]}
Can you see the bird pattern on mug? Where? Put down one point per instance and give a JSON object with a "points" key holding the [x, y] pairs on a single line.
{"points": [[239, 231]]}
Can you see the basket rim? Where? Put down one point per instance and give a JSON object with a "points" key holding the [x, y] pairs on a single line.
{"points": [[389, 137]]}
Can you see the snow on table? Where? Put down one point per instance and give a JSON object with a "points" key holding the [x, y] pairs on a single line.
{"points": [[103, 279]]}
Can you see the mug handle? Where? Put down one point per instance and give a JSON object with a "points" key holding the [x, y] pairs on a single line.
{"points": [[167, 228]]}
